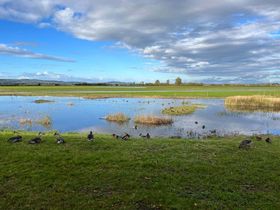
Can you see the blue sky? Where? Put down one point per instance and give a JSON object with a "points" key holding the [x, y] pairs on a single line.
{"points": [[200, 41], [92, 60]]}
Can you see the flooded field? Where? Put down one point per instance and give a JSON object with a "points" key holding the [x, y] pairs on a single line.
{"points": [[72, 114]]}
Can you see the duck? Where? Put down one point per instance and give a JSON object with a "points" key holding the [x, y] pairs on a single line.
{"points": [[126, 136], [203, 127], [115, 136], [245, 144], [36, 140], [15, 139], [268, 140], [135, 127], [258, 138], [148, 136], [59, 139], [196, 122], [90, 136]]}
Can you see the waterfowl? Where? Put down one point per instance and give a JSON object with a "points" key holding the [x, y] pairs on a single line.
{"points": [[213, 131], [245, 144], [135, 127], [145, 136], [15, 139], [268, 140], [203, 127], [115, 136], [59, 139], [258, 138], [126, 136], [196, 122], [36, 140], [90, 136]]}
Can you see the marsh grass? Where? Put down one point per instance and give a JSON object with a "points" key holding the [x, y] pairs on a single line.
{"points": [[45, 121], [25, 121], [118, 117], [253, 103], [153, 120], [182, 110], [43, 101]]}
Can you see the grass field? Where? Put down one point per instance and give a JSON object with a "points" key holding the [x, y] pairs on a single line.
{"points": [[138, 174], [145, 91]]}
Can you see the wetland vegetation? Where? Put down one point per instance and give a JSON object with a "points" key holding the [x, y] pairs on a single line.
{"points": [[118, 117], [152, 120]]}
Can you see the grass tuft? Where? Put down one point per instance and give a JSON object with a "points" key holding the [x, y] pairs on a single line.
{"points": [[118, 117], [43, 101], [45, 121], [181, 110], [253, 103], [153, 120]]}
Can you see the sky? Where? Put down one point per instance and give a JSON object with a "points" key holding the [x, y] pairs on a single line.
{"points": [[209, 41]]}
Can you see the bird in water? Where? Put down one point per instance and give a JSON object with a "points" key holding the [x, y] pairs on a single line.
{"points": [[59, 139], [148, 136], [135, 127], [196, 122], [36, 140], [126, 136], [203, 127], [15, 139], [268, 140], [245, 144], [90, 136]]}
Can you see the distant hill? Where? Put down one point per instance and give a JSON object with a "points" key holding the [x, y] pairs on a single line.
{"points": [[36, 82]]}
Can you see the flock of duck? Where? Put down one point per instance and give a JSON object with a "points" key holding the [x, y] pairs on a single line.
{"points": [[38, 138], [247, 143]]}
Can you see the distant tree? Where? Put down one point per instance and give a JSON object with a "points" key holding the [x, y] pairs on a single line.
{"points": [[178, 81], [157, 82], [167, 82]]}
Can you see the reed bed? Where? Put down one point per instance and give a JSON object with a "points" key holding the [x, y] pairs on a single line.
{"points": [[118, 117], [25, 121], [153, 120], [253, 103], [45, 121]]}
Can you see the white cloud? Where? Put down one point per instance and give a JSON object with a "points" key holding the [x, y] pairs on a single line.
{"points": [[16, 51], [211, 39]]}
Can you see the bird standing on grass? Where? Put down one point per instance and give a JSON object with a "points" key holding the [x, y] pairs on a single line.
{"points": [[90, 136], [36, 140], [126, 136], [268, 140], [15, 139], [245, 144], [59, 139]]}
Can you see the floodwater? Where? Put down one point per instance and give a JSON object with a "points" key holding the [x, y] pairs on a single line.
{"points": [[71, 114]]}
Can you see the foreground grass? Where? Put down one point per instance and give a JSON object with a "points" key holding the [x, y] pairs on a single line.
{"points": [[145, 91], [138, 174]]}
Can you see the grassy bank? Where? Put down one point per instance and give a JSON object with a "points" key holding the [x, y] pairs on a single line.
{"points": [[144, 91], [138, 174], [182, 110]]}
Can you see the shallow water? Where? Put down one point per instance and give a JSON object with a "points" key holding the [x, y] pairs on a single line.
{"points": [[78, 114]]}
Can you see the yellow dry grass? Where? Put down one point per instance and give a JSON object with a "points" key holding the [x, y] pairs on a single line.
{"points": [[253, 103], [118, 117], [153, 120]]}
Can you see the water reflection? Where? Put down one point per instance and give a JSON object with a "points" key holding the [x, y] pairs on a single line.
{"points": [[86, 114]]}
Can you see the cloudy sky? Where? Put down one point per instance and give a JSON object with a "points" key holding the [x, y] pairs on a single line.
{"points": [[210, 41]]}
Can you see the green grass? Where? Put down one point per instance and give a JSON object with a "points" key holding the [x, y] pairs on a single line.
{"points": [[138, 174], [181, 110], [42, 101], [145, 91]]}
